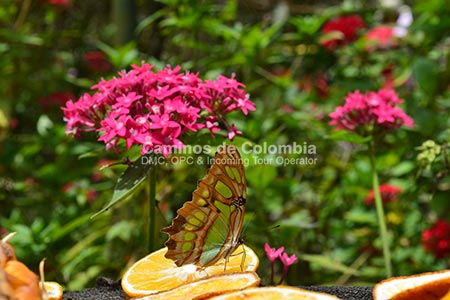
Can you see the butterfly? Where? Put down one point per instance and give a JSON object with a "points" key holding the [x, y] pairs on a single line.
{"points": [[207, 228]]}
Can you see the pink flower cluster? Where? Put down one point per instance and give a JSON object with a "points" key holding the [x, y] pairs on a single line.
{"points": [[388, 194], [362, 113], [152, 109]]}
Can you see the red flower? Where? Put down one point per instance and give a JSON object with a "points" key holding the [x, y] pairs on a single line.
{"points": [[437, 239], [322, 86], [388, 77], [362, 113], [340, 31], [67, 188], [96, 61], [3, 231], [315, 82], [59, 4], [91, 195], [388, 194], [381, 37], [56, 99]]}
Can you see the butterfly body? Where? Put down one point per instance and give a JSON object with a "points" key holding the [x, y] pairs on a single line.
{"points": [[208, 227]]}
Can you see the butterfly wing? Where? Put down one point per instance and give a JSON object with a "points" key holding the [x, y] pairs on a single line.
{"points": [[207, 228]]}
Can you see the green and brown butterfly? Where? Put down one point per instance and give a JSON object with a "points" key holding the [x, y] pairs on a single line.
{"points": [[207, 228]]}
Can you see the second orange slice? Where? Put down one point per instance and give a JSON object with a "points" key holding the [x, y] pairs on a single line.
{"points": [[208, 287]]}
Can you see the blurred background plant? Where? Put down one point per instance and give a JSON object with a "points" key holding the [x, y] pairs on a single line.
{"points": [[298, 64]]}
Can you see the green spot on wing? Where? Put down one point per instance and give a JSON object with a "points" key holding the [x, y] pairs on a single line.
{"points": [[229, 172], [224, 208], [237, 176], [189, 236], [191, 227], [194, 221], [187, 247], [223, 189]]}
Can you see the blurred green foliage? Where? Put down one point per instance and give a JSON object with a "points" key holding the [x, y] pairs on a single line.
{"points": [[48, 193]]}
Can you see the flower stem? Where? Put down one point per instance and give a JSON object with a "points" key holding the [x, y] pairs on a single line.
{"points": [[152, 209], [283, 277], [380, 213], [272, 265]]}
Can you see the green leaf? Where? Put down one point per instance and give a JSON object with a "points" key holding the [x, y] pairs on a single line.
{"points": [[122, 56], [130, 181], [122, 230], [329, 263], [403, 168], [361, 217], [69, 227], [148, 21], [343, 135], [261, 175], [426, 74]]}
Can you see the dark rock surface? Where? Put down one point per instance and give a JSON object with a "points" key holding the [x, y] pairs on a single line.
{"points": [[108, 289], [344, 292]]}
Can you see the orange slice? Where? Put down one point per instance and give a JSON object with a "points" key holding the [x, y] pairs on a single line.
{"points": [[54, 290], [155, 273], [430, 286], [272, 292], [447, 296], [208, 287]]}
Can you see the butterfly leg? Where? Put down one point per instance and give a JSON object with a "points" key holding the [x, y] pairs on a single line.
{"points": [[225, 264], [244, 256], [203, 270]]}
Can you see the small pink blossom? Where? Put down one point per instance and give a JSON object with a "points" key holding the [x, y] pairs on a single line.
{"points": [[233, 131], [152, 109], [363, 113], [272, 253], [288, 260]]}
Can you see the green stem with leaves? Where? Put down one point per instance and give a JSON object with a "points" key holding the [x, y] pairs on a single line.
{"points": [[380, 212]]}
